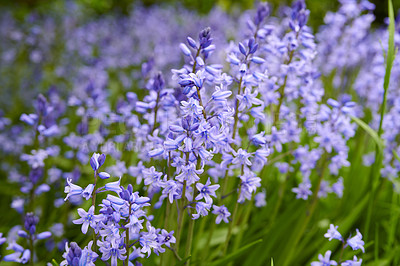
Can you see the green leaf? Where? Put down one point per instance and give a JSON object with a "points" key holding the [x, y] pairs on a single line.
{"points": [[54, 262], [235, 254], [391, 53], [272, 261], [389, 64], [370, 132]]}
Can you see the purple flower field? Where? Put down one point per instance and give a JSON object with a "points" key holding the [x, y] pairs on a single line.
{"points": [[166, 137]]}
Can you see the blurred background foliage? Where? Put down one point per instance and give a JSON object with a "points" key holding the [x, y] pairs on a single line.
{"points": [[318, 8]]}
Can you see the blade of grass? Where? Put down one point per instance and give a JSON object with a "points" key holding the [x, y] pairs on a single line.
{"points": [[235, 254], [375, 171], [372, 133]]}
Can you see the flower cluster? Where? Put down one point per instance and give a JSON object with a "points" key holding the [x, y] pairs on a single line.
{"points": [[119, 222], [354, 242]]}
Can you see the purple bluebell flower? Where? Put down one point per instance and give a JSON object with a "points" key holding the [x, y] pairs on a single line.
{"points": [[87, 218], [166, 238], [97, 160], [324, 260], [333, 233], [88, 191], [30, 223], [260, 199], [354, 262], [2, 239], [324, 189], [303, 190], [72, 189], [36, 159], [114, 251], [356, 242], [206, 191], [104, 175], [222, 214], [113, 186], [338, 187], [202, 209], [249, 184], [241, 157]]}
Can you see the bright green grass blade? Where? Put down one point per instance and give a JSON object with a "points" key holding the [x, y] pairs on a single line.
{"points": [[235, 254], [375, 172], [370, 132], [54, 262], [389, 63]]}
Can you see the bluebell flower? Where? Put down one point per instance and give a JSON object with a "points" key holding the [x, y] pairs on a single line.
{"points": [[241, 157], [260, 199], [152, 177], [356, 242], [72, 255], [72, 189], [97, 160], [333, 233], [20, 254], [30, 119], [113, 186], [206, 191], [303, 190], [249, 184], [88, 191], [30, 223], [37, 158], [104, 175], [354, 262], [324, 189], [2, 239], [338, 187], [220, 95], [202, 209], [189, 173], [114, 251], [222, 214], [87, 218], [43, 235], [324, 260], [148, 240], [191, 108], [172, 190], [166, 238], [259, 139]]}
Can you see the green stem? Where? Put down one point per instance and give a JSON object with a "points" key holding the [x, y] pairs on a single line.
{"points": [[375, 172], [236, 116], [224, 186], [189, 239], [281, 90], [155, 113], [341, 252], [181, 216], [94, 208], [232, 224], [127, 236], [31, 247]]}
